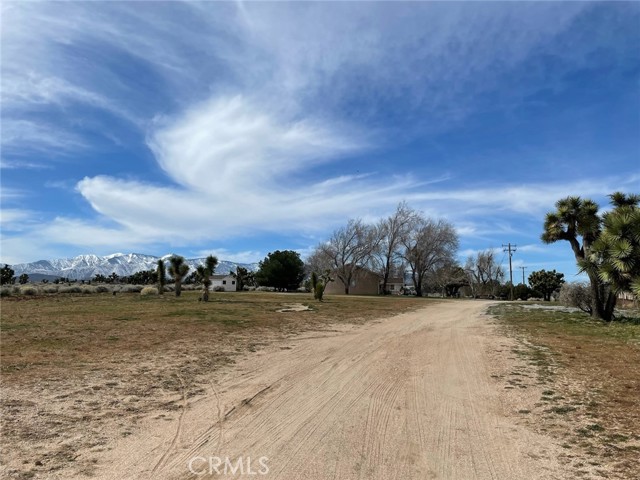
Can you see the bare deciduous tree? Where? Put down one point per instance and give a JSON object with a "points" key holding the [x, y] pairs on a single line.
{"points": [[392, 231], [348, 250], [428, 246], [484, 273]]}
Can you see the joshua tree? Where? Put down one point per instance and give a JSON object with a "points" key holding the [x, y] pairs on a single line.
{"points": [[243, 277], [605, 246], [161, 274], [616, 252], [204, 273], [178, 269], [6, 275], [319, 284]]}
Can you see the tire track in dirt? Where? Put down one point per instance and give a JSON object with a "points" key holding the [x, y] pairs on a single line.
{"points": [[175, 438], [409, 397]]}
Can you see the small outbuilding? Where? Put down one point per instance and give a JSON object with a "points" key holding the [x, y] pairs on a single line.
{"points": [[224, 282]]}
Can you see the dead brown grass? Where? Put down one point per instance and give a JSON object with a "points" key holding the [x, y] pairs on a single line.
{"points": [[591, 373], [79, 370]]}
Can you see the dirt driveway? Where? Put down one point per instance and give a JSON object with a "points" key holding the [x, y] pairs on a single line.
{"points": [[414, 396]]}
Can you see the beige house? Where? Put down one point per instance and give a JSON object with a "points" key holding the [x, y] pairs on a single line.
{"points": [[364, 282]]}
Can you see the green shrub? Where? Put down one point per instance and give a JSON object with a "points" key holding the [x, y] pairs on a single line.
{"points": [[102, 289], [28, 290]]}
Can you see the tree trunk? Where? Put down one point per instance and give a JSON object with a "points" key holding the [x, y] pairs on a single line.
{"points": [[385, 278], [178, 288], [418, 288], [609, 306], [604, 301]]}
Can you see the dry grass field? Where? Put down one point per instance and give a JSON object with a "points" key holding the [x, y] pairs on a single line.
{"points": [[79, 370], [591, 373]]}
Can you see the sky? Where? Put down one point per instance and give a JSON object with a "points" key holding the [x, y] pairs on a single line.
{"points": [[240, 128]]}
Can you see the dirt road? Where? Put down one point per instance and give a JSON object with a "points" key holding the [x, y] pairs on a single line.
{"points": [[407, 397]]}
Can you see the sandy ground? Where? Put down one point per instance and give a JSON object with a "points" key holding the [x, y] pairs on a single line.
{"points": [[415, 396]]}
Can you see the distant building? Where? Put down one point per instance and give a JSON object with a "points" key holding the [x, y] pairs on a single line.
{"points": [[364, 282], [627, 299], [226, 282]]}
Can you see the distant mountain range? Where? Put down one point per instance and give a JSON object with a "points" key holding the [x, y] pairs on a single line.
{"points": [[85, 267]]}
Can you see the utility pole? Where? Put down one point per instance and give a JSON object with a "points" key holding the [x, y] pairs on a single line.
{"points": [[523, 274], [511, 249]]}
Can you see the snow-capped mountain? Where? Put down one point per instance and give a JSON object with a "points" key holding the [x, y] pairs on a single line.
{"points": [[85, 267]]}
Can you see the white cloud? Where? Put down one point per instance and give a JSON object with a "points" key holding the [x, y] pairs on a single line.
{"points": [[232, 142], [240, 167], [14, 218], [21, 136], [22, 164]]}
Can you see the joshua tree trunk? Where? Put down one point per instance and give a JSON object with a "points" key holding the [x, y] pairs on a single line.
{"points": [[604, 300]]}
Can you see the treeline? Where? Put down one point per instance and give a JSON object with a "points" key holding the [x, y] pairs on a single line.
{"points": [[406, 242], [410, 244]]}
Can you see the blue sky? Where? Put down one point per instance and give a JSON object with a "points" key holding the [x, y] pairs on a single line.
{"points": [[240, 128]]}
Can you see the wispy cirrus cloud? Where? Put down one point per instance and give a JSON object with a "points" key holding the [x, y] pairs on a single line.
{"points": [[22, 137]]}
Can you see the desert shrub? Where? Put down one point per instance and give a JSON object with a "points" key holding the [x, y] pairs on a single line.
{"points": [[576, 295], [89, 289], [74, 289], [249, 288], [265, 289], [15, 290], [131, 288], [5, 292], [170, 288], [50, 289], [28, 290], [149, 291], [218, 288], [101, 289]]}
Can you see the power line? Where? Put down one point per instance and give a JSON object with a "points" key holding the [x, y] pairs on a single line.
{"points": [[523, 274], [511, 249]]}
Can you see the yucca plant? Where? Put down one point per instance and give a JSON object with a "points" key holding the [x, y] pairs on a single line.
{"points": [[161, 276], [204, 273], [576, 219], [617, 250], [609, 252], [178, 270]]}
